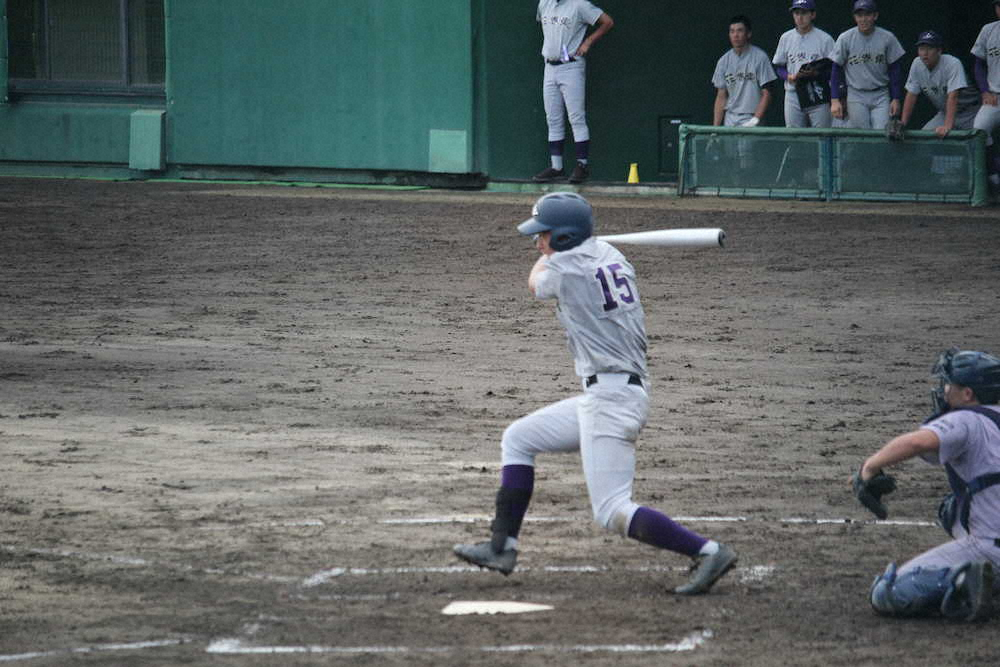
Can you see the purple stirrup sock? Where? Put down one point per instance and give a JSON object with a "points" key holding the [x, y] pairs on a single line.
{"points": [[518, 477], [556, 147], [583, 150], [652, 527]]}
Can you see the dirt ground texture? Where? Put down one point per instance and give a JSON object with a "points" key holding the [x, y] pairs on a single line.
{"points": [[245, 424]]}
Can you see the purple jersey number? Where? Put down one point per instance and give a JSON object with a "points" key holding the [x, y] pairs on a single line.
{"points": [[622, 289]]}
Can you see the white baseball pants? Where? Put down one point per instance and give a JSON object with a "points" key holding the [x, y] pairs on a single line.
{"points": [[564, 92], [603, 424]]}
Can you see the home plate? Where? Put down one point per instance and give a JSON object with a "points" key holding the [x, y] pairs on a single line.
{"points": [[492, 607]]}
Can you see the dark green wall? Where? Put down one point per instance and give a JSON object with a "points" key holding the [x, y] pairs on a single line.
{"points": [[658, 62]]}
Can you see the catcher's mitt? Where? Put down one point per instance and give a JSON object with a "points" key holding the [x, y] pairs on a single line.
{"points": [[870, 492], [894, 130]]}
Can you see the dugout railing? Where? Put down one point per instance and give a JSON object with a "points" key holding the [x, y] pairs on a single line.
{"points": [[832, 164]]}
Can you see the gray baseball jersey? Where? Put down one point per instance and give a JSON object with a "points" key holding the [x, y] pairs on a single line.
{"points": [[946, 77], [564, 25], [795, 50], [743, 75], [599, 306], [987, 47], [866, 58], [970, 443]]}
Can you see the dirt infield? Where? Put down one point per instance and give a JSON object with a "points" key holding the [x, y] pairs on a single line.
{"points": [[244, 425]]}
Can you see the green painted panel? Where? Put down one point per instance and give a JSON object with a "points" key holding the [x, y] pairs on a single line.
{"points": [[4, 67], [48, 132], [146, 140], [352, 84]]}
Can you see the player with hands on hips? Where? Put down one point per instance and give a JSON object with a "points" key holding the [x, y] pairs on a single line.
{"points": [[956, 579], [942, 78], [986, 68], [598, 303], [565, 45], [870, 59], [801, 61], [741, 79]]}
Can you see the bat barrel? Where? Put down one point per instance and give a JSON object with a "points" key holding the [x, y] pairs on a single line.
{"points": [[699, 238]]}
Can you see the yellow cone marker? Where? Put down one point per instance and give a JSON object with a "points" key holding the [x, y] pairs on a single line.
{"points": [[633, 172]]}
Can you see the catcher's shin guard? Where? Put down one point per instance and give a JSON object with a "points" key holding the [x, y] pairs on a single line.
{"points": [[918, 592], [510, 509]]}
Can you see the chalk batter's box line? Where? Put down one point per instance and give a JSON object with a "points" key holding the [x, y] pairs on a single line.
{"points": [[466, 519], [239, 647]]}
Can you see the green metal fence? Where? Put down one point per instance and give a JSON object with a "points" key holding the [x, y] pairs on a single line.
{"points": [[830, 164]]}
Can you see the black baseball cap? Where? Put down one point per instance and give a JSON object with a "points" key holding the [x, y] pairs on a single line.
{"points": [[931, 38]]}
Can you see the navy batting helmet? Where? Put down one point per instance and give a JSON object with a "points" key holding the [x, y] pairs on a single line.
{"points": [[979, 371], [567, 215]]}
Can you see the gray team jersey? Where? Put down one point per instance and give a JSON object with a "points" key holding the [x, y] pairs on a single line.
{"points": [[743, 75], [970, 443], [987, 47], [948, 76], [795, 50], [564, 25], [866, 58], [599, 306]]}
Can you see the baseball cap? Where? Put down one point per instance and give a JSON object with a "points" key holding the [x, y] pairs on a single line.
{"points": [[808, 4], [865, 6], [931, 38]]}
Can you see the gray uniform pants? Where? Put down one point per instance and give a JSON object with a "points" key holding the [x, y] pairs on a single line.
{"points": [[962, 549], [868, 109], [796, 116], [564, 92], [988, 119]]}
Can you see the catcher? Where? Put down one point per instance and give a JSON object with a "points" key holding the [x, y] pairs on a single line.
{"points": [[955, 579]]}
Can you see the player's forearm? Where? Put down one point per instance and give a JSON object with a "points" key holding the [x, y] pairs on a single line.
{"points": [[896, 80], [899, 449], [536, 271], [604, 24], [950, 110], [765, 100], [908, 104], [719, 110]]}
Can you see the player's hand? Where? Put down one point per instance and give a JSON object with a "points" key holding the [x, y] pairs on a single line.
{"points": [[582, 51], [894, 108], [942, 131], [837, 109], [753, 122], [990, 99]]}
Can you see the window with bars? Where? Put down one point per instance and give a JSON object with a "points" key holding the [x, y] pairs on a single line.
{"points": [[93, 46]]}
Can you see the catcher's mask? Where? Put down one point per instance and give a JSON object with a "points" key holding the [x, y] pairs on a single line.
{"points": [[979, 371], [567, 215]]}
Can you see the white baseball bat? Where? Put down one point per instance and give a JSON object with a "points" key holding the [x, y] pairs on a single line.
{"points": [[699, 238]]}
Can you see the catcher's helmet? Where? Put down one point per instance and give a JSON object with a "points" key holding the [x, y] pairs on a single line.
{"points": [[567, 215], [979, 371]]}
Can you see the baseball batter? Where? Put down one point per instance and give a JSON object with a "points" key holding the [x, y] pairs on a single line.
{"points": [[741, 79], [803, 45], [986, 67], [941, 78], [598, 303], [565, 45], [869, 58], [954, 579]]}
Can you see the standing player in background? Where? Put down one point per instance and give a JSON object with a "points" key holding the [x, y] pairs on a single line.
{"points": [[801, 59], [597, 301], [870, 58], [564, 50], [956, 578], [987, 70], [741, 79], [942, 78]]}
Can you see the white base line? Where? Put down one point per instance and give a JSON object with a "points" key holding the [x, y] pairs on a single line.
{"points": [[418, 521], [91, 649], [238, 647]]}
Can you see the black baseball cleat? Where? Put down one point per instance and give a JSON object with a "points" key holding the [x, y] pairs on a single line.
{"points": [[708, 570], [973, 594], [482, 554], [580, 173], [547, 175]]}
